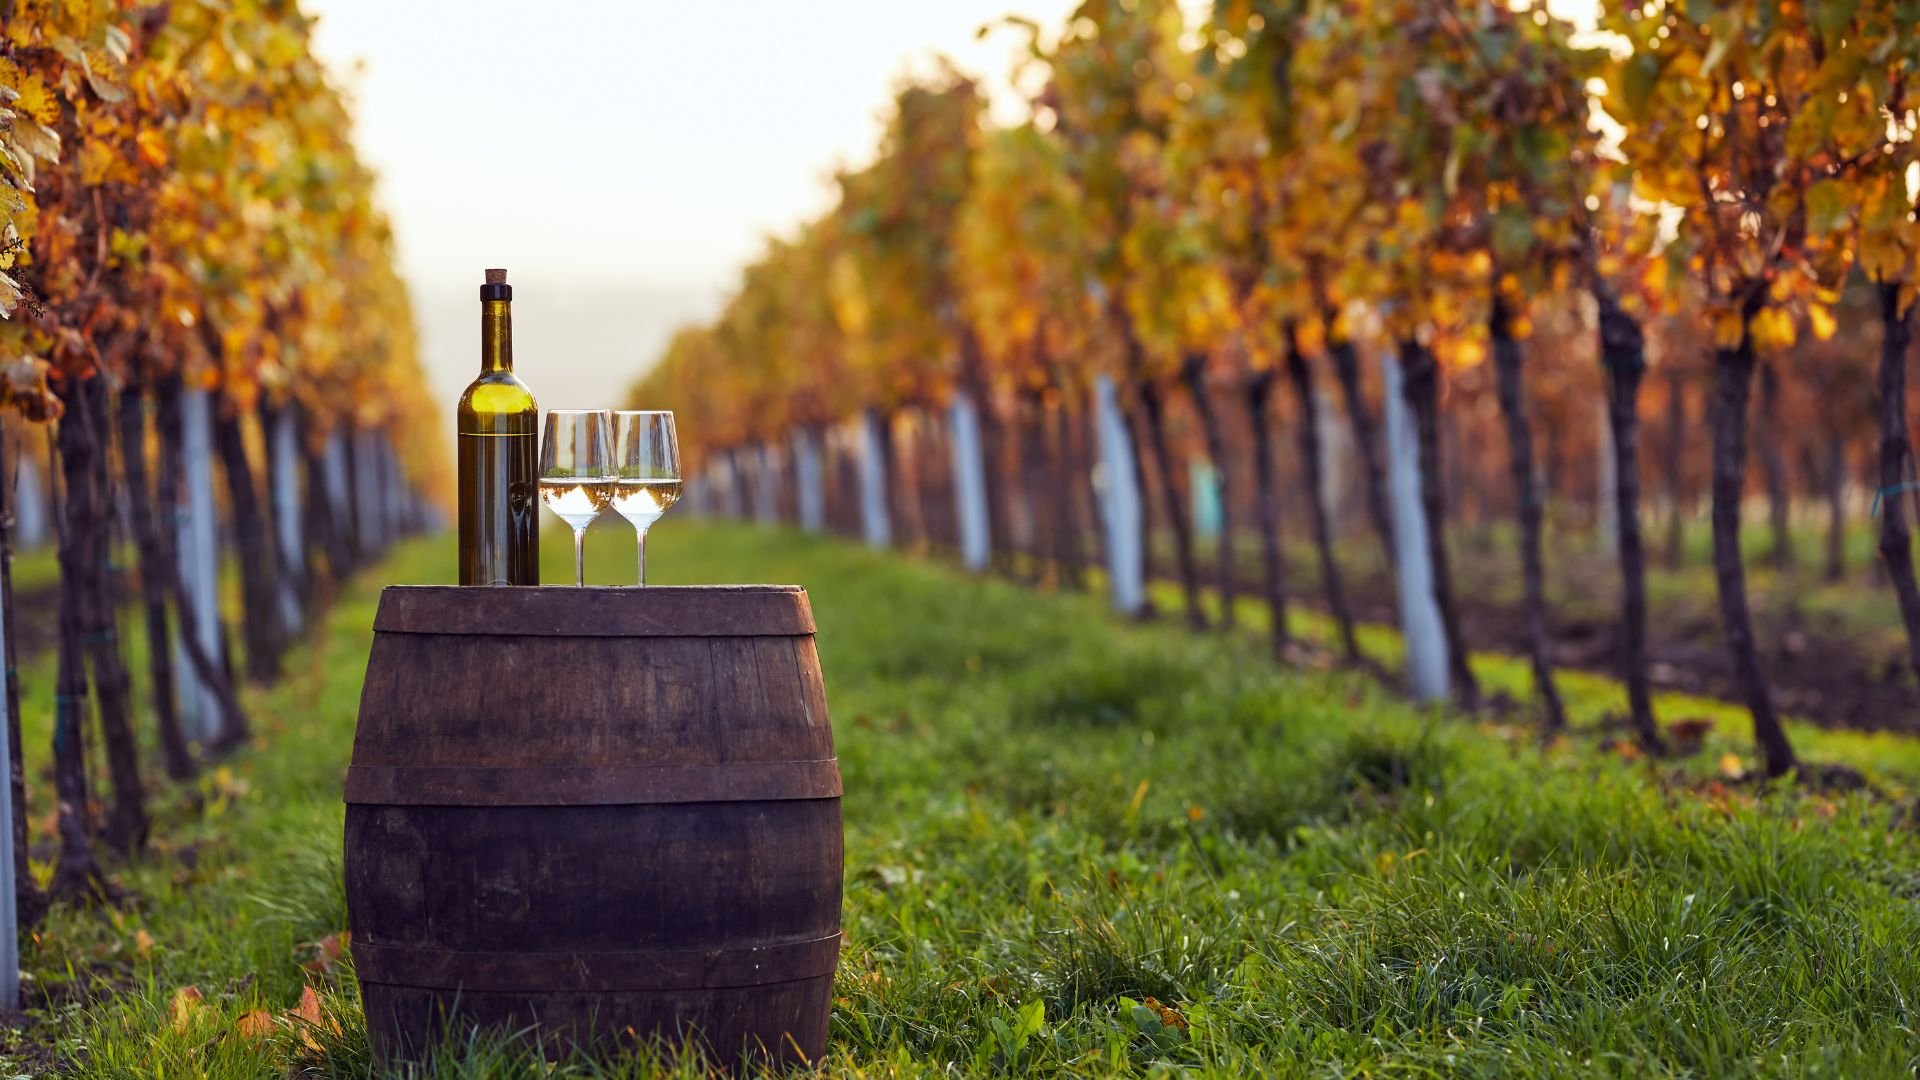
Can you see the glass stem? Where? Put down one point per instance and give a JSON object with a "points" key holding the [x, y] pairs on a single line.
{"points": [[641, 536], [579, 556]]}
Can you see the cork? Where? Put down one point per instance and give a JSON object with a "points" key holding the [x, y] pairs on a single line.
{"points": [[496, 277]]}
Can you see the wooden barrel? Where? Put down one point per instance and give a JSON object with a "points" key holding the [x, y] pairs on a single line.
{"points": [[604, 814]]}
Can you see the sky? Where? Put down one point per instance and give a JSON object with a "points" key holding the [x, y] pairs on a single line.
{"points": [[623, 159]]}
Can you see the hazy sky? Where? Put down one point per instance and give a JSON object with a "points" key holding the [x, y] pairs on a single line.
{"points": [[622, 158]]}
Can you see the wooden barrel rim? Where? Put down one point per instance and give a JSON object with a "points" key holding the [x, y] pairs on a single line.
{"points": [[430, 968], [596, 611], [592, 785]]}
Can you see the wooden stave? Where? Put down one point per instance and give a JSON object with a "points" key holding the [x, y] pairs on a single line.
{"points": [[740, 1008]]}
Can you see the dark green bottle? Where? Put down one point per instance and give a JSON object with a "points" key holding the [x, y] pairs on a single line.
{"points": [[499, 427]]}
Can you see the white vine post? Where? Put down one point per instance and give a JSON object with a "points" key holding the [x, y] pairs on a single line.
{"points": [[733, 502], [199, 538], [811, 500], [286, 515], [1336, 456], [970, 483], [334, 468], [399, 506], [697, 495], [30, 525], [1119, 488], [1419, 612], [873, 482], [366, 473], [766, 475]]}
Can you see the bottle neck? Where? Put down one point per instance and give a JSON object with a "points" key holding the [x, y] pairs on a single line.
{"points": [[496, 335]]}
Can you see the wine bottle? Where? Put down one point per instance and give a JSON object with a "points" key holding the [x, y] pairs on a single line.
{"points": [[499, 439]]}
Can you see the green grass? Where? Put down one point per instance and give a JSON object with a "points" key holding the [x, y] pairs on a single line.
{"points": [[1053, 816], [1582, 579], [36, 569]]}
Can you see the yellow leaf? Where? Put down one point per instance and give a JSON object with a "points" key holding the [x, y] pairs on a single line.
{"points": [[1727, 330], [1772, 330], [1821, 317], [1732, 767], [1654, 276], [35, 140], [96, 160], [186, 1004], [143, 942], [36, 100]]}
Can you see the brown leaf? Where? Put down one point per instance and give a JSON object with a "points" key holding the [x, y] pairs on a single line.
{"points": [[1687, 734]]}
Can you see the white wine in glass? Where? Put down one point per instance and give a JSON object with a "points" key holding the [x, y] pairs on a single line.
{"points": [[646, 454], [576, 473]]}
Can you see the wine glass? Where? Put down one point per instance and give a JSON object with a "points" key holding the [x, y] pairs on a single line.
{"points": [[576, 473], [646, 455]]}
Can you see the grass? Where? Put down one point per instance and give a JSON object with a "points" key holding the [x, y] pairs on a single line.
{"points": [[1083, 847], [1582, 579]]}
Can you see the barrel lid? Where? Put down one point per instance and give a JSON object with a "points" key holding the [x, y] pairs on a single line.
{"points": [[596, 611]]}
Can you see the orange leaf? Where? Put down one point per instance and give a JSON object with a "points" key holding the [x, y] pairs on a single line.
{"points": [[328, 951], [257, 1024], [152, 148], [143, 942], [1168, 1015], [308, 1012]]}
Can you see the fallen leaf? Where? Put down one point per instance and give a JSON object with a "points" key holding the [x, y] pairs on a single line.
{"points": [[309, 1007], [328, 951], [143, 942], [1167, 1014], [257, 1024], [1731, 766], [228, 785], [308, 1012], [186, 1004], [1687, 734]]}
